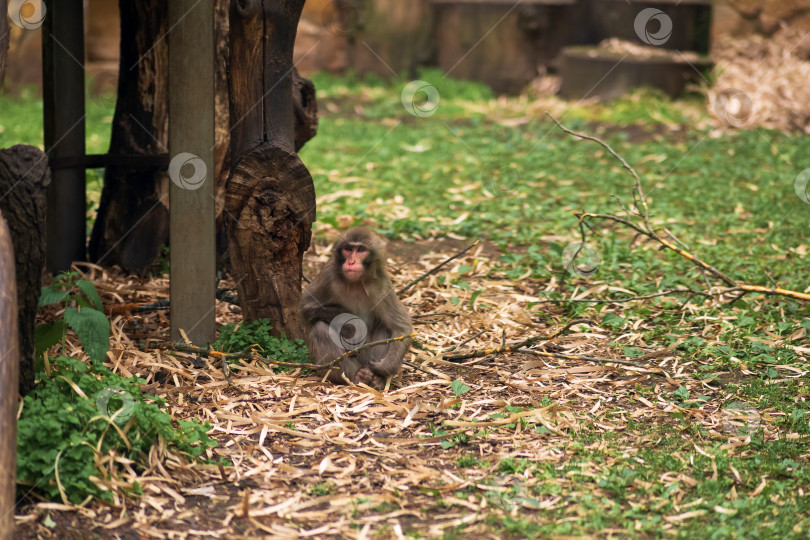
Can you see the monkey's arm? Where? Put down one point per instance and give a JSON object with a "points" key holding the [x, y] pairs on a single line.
{"points": [[318, 303]]}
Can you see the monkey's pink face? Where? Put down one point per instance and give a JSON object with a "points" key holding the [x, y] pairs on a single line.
{"points": [[353, 256]]}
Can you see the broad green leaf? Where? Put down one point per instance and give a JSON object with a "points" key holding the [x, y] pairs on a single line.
{"points": [[48, 335], [90, 292], [93, 330], [51, 296]]}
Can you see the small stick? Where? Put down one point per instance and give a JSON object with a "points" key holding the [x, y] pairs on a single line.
{"points": [[439, 267], [454, 347]]}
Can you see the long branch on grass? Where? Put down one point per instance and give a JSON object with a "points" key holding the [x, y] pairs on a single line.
{"points": [[646, 229], [438, 267]]}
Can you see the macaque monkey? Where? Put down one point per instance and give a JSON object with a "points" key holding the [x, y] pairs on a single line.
{"points": [[352, 302]]}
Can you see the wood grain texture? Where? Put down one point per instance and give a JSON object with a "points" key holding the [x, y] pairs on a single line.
{"points": [[270, 196], [9, 363], [24, 178]]}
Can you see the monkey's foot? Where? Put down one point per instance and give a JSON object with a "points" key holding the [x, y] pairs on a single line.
{"points": [[366, 376]]}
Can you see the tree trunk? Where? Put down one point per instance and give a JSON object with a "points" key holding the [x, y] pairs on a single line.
{"points": [[4, 39], [133, 219], [270, 197], [24, 178], [9, 366]]}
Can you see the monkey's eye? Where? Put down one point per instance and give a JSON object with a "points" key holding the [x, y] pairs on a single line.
{"points": [[361, 249]]}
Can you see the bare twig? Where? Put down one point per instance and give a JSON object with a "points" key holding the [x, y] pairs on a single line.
{"points": [[439, 267], [512, 348], [246, 354], [639, 192], [455, 347], [646, 229]]}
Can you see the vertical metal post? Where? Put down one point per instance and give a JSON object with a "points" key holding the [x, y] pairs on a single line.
{"points": [[191, 148], [9, 385], [63, 107]]}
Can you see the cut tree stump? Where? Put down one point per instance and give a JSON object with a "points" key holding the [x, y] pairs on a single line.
{"points": [[24, 178], [270, 196]]}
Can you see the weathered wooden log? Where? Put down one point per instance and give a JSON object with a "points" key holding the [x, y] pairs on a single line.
{"points": [[9, 365], [4, 39], [24, 178], [270, 196]]}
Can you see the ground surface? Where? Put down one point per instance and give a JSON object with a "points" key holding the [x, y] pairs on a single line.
{"points": [[526, 443]]}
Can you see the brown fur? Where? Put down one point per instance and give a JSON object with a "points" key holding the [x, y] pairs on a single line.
{"points": [[373, 303]]}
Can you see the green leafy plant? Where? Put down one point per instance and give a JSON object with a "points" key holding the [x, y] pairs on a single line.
{"points": [[77, 415], [459, 387], [256, 334], [84, 314]]}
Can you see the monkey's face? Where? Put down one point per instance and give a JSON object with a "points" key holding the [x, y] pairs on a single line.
{"points": [[354, 261]]}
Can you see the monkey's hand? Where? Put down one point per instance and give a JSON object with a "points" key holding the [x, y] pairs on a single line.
{"points": [[366, 376]]}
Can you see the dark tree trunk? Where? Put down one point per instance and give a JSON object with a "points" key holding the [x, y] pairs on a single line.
{"points": [[133, 219], [24, 178], [270, 197]]}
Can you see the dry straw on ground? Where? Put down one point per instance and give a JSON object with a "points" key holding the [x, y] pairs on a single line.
{"points": [[315, 460]]}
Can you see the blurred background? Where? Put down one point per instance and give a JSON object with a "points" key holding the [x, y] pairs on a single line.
{"points": [[564, 47]]}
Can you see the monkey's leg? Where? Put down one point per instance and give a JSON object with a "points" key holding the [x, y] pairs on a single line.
{"points": [[323, 350], [386, 360]]}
